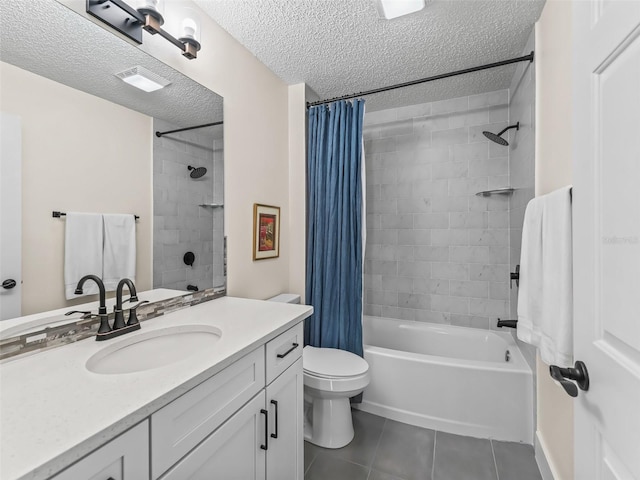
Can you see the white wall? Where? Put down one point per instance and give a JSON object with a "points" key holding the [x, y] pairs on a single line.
{"points": [[553, 170], [256, 147], [70, 162], [256, 142], [297, 188]]}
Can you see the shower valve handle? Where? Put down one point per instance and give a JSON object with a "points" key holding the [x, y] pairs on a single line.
{"points": [[515, 276], [564, 376]]}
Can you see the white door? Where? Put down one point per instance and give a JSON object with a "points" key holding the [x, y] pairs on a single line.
{"points": [[606, 198], [10, 216], [285, 456]]}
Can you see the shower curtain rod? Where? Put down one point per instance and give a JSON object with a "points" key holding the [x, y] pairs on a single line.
{"points": [[159, 134], [526, 58]]}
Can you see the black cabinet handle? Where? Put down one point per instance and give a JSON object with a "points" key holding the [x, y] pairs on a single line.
{"points": [[266, 429], [293, 347], [9, 283], [578, 373], [275, 404]]}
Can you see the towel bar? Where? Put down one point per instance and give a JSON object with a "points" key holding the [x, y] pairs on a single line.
{"points": [[62, 214]]}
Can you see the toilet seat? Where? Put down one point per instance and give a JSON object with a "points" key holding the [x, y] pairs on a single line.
{"points": [[332, 370], [332, 363]]}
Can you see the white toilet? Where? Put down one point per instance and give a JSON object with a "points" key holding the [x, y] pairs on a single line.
{"points": [[331, 377]]}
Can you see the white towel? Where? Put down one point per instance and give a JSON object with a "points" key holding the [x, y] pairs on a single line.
{"points": [[545, 295], [119, 249], [82, 251]]}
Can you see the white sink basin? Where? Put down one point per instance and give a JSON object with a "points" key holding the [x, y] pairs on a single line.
{"points": [[153, 349]]}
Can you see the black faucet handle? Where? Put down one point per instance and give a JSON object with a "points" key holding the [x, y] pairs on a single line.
{"points": [[133, 316], [132, 298], [85, 314]]}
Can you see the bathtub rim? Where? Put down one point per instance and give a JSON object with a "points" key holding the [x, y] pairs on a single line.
{"points": [[517, 363]]}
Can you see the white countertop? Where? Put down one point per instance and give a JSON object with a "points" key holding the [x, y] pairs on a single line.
{"points": [[53, 411]]}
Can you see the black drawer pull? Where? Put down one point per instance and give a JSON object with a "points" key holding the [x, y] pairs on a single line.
{"points": [[293, 347], [275, 404], [266, 429]]}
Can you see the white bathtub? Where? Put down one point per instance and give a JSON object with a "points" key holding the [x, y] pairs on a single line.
{"points": [[452, 379]]}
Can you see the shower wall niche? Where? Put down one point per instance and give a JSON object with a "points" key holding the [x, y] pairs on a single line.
{"points": [[188, 212], [435, 251]]}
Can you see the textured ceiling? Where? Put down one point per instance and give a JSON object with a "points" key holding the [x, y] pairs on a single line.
{"points": [[341, 47], [51, 40]]}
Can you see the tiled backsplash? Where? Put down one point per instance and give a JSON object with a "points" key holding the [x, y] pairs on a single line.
{"points": [[435, 251], [80, 329]]}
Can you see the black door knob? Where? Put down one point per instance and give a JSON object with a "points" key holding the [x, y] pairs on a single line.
{"points": [[9, 283], [565, 376]]}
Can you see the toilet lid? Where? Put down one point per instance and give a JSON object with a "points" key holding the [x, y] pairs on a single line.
{"points": [[331, 362]]}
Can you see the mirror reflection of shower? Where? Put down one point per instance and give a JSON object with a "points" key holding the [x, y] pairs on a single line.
{"points": [[497, 138], [197, 172]]}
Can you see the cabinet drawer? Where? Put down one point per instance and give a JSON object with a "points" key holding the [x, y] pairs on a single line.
{"points": [[231, 453], [123, 458], [283, 351], [185, 422]]}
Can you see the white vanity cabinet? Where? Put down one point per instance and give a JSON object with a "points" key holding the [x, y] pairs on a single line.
{"points": [[123, 458], [230, 411], [263, 440], [243, 423]]}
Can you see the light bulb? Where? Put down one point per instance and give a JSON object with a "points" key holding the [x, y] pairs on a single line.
{"points": [[189, 28]]}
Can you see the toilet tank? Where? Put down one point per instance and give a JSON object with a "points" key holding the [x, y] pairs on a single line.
{"points": [[285, 298]]}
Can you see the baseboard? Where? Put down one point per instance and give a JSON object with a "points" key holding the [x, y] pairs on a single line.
{"points": [[545, 467]]}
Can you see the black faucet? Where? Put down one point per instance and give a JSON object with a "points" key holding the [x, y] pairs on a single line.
{"points": [[118, 321], [102, 310], [105, 332]]}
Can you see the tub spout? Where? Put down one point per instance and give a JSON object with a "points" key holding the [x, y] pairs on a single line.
{"points": [[507, 323]]}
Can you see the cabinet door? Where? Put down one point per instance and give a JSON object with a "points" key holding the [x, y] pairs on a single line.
{"points": [[177, 428], [124, 458], [233, 452], [285, 457]]}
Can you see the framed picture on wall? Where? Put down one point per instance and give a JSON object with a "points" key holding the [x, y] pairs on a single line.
{"points": [[266, 231]]}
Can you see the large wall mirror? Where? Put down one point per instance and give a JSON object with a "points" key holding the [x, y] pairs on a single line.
{"points": [[88, 144]]}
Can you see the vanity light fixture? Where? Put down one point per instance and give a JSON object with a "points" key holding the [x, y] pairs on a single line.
{"points": [[390, 9], [143, 79], [148, 16]]}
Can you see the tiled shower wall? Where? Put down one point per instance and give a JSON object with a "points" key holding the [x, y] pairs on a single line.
{"points": [[180, 224], [435, 251]]}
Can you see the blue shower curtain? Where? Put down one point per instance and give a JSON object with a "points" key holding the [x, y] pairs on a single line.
{"points": [[334, 226]]}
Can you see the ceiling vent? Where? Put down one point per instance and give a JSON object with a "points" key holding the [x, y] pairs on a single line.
{"points": [[143, 79], [390, 9]]}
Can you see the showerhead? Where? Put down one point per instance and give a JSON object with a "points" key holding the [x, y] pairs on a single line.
{"points": [[497, 138], [197, 172]]}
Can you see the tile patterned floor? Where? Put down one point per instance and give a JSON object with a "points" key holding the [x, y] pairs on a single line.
{"points": [[383, 449]]}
